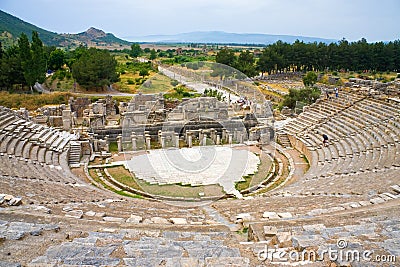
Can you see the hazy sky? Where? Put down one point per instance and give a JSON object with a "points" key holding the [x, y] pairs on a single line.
{"points": [[351, 19]]}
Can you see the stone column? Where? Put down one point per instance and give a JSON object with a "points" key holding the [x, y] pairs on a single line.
{"points": [[204, 141], [189, 141], [162, 141], [227, 133], [119, 143], [224, 134], [201, 135], [95, 145], [218, 139], [148, 144], [176, 137], [159, 136], [107, 146], [241, 137], [235, 135], [230, 139], [212, 134], [133, 140]]}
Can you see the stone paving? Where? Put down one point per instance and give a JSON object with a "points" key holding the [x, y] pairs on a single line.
{"points": [[195, 166], [143, 249]]}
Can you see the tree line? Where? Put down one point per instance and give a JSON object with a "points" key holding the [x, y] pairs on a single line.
{"points": [[300, 56], [26, 63]]}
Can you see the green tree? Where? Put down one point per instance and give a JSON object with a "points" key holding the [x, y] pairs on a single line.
{"points": [[10, 68], [135, 50], [153, 54], [245, 63], [38, 58], [95, 69], [25, 55], [310, 78], [143, 72], [56, 59], [306, 95], [226, 56]]}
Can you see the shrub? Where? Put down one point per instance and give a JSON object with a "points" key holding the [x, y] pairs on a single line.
{"points": [[130, 81]]}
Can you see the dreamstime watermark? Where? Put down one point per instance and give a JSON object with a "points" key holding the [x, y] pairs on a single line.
{"points": [[341, 254]]}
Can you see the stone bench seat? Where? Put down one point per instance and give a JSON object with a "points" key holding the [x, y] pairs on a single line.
{"points": [[4, 144], [49, 157], [12, 145], [41, 155], [5, 123], [33, 155]]}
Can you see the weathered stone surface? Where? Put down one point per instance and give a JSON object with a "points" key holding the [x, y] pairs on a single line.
{"points": [[227, 261], [77, 214], [135, 219], [159, 220], [113, 219], [285, 215], [92, 261], [314, 227], [36, 232], [270, 231], [377, 200], [284, 239], [270, 215], [178, 220], [9, 264], [8, 197], [43, 209], [300, 242], [15, 201], [90, 213], [364, 203]]}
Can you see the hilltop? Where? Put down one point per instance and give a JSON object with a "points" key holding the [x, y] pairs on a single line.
{"points": [[11, 28]]}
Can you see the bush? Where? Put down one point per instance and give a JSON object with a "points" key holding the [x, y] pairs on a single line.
{"points": [[335, 73], [174, 82], [306, 95], [130, 81]]}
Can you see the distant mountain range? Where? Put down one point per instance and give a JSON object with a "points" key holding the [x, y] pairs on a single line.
{"points": [[11, 28], [220, 37]]}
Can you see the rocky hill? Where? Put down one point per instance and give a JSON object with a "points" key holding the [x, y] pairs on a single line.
{"points": [[11, 28]]}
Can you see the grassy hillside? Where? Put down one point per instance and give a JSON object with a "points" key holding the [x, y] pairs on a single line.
{"points": [[11, 28], [15, 26]]}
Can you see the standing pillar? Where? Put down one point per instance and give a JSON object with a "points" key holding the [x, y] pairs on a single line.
{"points": [[107, 145], [176, 137], [204, 141], [119, 143], [218, 139], [241, 137], [224, 134], [134, 144], [230, 139], [162, 141], [201, 135], [148, 144], [190, 140], [212, 135]]}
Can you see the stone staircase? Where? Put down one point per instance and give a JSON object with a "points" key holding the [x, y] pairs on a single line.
{"points": [[283, 140], [74, 153]]}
